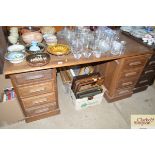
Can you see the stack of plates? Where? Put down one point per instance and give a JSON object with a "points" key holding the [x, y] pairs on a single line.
{"points": [[138, 33]]}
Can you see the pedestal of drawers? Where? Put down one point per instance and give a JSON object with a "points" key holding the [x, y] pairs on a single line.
{"points": [[37, 93], [122, 75], [147, 77]]}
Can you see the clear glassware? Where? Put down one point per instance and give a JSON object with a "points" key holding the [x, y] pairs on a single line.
{"points": [[104, 45], [118, 48], [87, 53], [97, 53], [77, 54], [77, 48]]}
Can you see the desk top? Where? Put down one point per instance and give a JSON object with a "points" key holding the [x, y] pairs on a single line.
{"points": [[133, 48]]}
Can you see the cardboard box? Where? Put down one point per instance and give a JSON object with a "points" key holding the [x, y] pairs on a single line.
{"points": [[86, 102]]}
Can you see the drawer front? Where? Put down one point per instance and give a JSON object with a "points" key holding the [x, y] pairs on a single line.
{"points": [[130, 74], [39, 100], [153, 56], [135, 62], [36, 76], [151, 63], [41, 109], [148, 72], [36, 89], [127, 83], [121, 92], [143, 81], [139, 89]]}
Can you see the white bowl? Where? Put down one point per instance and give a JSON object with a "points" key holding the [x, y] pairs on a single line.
{"points": [[16, 48], [15, 57]]}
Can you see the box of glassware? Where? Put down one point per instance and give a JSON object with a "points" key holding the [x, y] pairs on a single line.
{"points": [[82, 103]]}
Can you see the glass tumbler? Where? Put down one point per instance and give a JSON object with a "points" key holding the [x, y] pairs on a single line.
{"points": [[77, 48]]}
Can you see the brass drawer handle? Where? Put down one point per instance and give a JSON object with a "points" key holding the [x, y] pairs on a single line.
{"points": [[143, 81], [40, 101], [41, 107], [127, 83], [130, 74], [41, 110], [135, 63], [152, 62], [123, 91], [149, 71], [34, 77], [37, 90]]}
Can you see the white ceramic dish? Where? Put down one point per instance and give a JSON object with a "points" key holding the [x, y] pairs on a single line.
{"points": [[16, 48], [15, 57]]}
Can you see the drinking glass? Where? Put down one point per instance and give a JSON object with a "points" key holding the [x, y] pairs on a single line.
{"points": [[118, 48], [104, 45], [76, 54], [87, 53], [97, 53], [77, 48]]}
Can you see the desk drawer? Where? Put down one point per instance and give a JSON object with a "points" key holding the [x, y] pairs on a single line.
{"points": [[121, 92], [149, 72], [36, 89], [39, 100], [35, 76], [151, 63], [135, 62], [127, 83], [41, 109], [131, 74], [143, 81]]}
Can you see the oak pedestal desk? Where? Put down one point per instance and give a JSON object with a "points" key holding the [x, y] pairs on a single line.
{"points": [[36, 87]]}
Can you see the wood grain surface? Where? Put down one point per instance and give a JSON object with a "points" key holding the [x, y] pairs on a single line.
{"points": [[132, 49]]}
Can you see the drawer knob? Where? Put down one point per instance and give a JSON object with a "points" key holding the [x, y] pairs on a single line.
{"points": [[152, 62], [130, 74], [127, 83], [34, 77], [123, 91], [135, 63], [40, 101], [143, 81], [37, 90], [149, 71], [41, 110]]}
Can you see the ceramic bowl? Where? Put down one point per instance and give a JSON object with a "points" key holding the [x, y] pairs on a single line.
{"points": [[28, 37], [48, 30], [16, 48], [59, 49], [40, 45], [15, 57], [39, 59], [29, 29], [50, 39]]}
